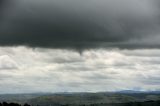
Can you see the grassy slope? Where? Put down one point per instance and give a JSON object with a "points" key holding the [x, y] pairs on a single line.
{"points": [[79, 98], [91, 98]]}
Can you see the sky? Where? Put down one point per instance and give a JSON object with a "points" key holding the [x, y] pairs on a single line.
{"points": [[79, 45]]}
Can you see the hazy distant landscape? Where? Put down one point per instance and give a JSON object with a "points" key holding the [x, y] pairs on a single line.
{"points": [[123, 98]]}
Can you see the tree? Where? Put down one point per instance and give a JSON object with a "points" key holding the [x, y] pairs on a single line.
{"points": [[5, 104], [26, 104]]}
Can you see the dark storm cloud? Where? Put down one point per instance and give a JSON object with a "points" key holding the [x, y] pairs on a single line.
{"points": [[2, 2], [80, 24]]}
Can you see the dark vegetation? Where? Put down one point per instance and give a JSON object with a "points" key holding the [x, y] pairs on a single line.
{"points": [[147, 103], [12, 104]]}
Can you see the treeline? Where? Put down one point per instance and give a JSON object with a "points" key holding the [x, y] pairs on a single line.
{"points": [[147, 103], [13, 104]]}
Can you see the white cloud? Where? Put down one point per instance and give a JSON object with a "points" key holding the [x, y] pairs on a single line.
{"points": [[6, 63], [59, 70]]}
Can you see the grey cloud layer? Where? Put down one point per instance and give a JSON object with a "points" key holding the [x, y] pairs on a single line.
{"points": [[80, 24], [24, 70]]}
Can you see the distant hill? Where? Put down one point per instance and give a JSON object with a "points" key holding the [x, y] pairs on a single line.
{"points": [[133, 91], [47, 99], [19, 98]]}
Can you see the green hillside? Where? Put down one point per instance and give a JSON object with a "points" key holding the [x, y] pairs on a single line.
{"points": [[77, 99]]}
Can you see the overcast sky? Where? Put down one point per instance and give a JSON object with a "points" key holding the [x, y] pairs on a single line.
{"points": [[79, 45]]}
